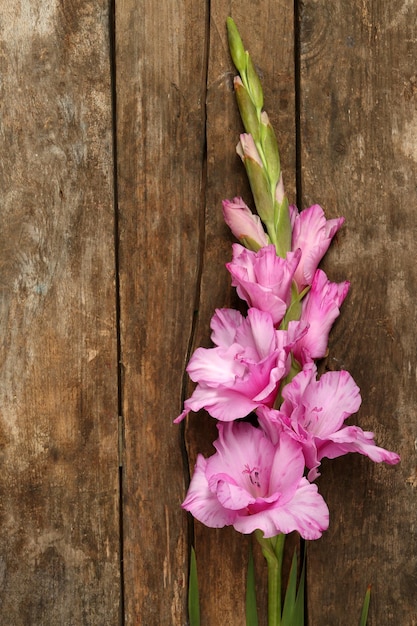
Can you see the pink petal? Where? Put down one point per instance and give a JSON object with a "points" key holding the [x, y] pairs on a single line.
{"points": [[215, 366], [241, 446], [354, 439], [222, 403], [329, 402], [242, 222], [307, 513], [202, 503], [319, 310], [224, 325], [287, 467], [312, 233]]}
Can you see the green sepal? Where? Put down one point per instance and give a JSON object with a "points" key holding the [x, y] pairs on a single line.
{"points": [[247, 111], [251, 610], [193, 595], [254, 84], [237, 50], [260, 189], [282, 227], [250, 243], [270, 151]]}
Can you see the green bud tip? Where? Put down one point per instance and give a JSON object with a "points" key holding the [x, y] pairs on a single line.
{"points": [[236, 46]]}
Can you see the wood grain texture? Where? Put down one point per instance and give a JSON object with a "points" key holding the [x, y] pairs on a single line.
{"points": [[358, 103], [161, 74], [59, 543]]}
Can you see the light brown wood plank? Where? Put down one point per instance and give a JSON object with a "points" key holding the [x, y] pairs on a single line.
{"points": [[359, 160], [59, 543], [222, 554], [161, 73]]}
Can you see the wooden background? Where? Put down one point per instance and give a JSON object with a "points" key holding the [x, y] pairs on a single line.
{"points": [[118, 126]]}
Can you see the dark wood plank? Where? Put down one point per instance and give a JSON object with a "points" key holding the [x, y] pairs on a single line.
{"points": [[222, 554], [161, 79], [59, 541], [359, 160]]}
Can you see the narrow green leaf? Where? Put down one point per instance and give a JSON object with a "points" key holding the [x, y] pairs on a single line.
{"points": [[293, 612], [290, 595], [365, 607], [251, 611], [193, 597], [298, 618]]}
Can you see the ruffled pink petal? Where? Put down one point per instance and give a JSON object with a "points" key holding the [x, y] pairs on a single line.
{"points": [[312, 233], [320, 308], [264, 279], [354, 439], [216, 366], [222, 403], [202, 503], [287, 467], [329, 402], [241, 449], [307, 512], [224, 325]]}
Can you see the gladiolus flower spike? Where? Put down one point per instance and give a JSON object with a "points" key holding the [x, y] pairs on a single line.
{"points": [[261, 478]]}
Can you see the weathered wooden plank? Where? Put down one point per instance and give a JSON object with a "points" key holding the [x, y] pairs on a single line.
{"points": [[161, 72], [59, 543], [222, 554], [359, 160]]}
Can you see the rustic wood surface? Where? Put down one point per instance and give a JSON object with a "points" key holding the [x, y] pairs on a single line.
{"points": [[359, 154], [59, 520], [119, 127]]}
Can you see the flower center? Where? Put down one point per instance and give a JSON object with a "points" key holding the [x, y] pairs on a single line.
{"points": [[253, 475]]}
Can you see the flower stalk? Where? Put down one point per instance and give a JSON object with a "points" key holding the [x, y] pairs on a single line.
{"points": [[273, 550]]}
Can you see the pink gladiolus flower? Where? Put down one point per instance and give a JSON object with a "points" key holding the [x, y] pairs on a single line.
{"points": [[320, 308], [245, 225], [251, 484], [312, 233], [264, 279], [313, 412], [243, 371]]}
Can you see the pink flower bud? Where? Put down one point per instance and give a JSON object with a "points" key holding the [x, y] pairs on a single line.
{"points": [[245, 225]]}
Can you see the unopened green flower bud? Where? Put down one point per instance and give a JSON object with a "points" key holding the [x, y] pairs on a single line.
{"points": [[247, 109], [270, 150], [236, 46], [254, 84], [260, 190], [282, 227]]}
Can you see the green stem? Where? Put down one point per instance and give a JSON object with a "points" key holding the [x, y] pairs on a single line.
{"points": [[273, 550]]}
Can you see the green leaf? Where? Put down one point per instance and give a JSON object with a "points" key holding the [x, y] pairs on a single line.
{"points": [[299, 602], [251, 611], [365, 607], [193, 597], [290, 595]]}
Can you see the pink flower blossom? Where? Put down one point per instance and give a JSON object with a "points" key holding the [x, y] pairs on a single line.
{"points": [[245, 368], [245, 225], [319, 310], [264, 279], [251, 484], [313, 412], [312, 233]]}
